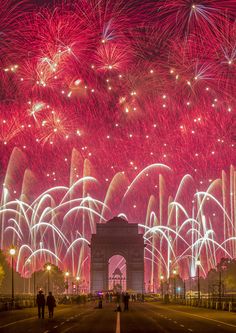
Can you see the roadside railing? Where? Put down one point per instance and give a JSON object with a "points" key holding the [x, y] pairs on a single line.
{"points": [[28, 301], [223, 303]]}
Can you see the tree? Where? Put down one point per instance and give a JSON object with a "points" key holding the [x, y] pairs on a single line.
{"points": [[56, 279], [5, 277]]}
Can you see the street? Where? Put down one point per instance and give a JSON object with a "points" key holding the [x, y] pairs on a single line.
{"points": [[141, 317]]}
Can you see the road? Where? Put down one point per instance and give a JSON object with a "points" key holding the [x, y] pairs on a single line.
{"points": [[141, 317]]}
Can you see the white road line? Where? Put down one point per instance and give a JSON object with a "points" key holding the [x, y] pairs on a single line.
{"points": [[18, 321], [182, 325], [118, 323], [202, 317], [175, 322], [55, 326], [190, 330], [22, 320]]}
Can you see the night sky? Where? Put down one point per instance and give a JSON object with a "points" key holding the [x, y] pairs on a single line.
{"points": [[126, 83]]}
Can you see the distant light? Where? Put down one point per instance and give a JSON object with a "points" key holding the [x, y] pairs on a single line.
{"points": [[12, 251]]}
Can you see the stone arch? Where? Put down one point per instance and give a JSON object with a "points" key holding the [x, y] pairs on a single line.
{"points": [[117, 237]]}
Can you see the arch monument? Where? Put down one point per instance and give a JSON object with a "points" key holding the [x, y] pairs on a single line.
{"points": [[117, 237]]}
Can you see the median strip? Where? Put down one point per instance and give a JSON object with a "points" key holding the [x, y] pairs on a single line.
{"points": [[118, 323]]}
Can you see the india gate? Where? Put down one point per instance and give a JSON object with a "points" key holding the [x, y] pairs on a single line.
{"points": [[117, 237]]}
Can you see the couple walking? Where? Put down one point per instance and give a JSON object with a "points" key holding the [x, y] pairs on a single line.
{"points": [[51, 303]]}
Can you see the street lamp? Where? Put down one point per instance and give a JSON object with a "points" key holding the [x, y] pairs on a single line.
{"points": [[198, 263], [174, 272], [67, 281], [162, 292], [12, 253], [77, 284], [49, 267], [28, 261]]}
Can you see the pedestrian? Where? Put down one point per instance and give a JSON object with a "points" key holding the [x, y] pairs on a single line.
{"points": [[51, 303], [100, 302], [41, 304], [126, 301]]}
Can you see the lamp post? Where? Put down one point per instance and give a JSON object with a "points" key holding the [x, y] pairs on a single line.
{"points": [[184, 289], [162, 292], [28, 261], [34, 283], [77, 284], [67, 281], [174, 272], [220, 285], [198, 263], [49, 267], [12, 253], [25, 259]]}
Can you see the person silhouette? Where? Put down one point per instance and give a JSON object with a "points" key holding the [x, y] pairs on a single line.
{"points": [[126, 301], [51, 303], [41, 304]]}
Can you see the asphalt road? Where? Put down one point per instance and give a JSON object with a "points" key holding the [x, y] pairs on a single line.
{"points": [[147, 317]]}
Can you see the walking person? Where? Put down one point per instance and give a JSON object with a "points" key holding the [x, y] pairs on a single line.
{"points": [[51, 303], [41, 304], [126, 301]]}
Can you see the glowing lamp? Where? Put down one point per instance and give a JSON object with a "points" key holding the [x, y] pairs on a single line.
{"points": [[12, 251], [198, 262]]}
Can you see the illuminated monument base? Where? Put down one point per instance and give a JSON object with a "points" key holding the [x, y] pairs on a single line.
{"points": [[117, 237]]}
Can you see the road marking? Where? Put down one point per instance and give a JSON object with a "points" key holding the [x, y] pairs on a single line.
{"points": [[18, 321], [118, 323], [182, 325], [55, 326], [202, 317], [190, 330], [175, 322], [62, 322], [22, 320]]}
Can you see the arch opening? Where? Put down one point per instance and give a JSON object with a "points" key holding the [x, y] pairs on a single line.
{"points": [[117, 273]]}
